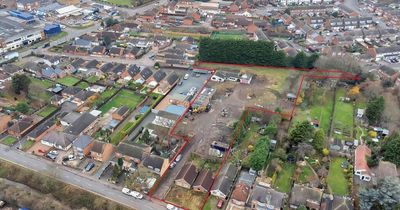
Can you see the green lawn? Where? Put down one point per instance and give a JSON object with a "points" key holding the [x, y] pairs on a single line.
{"points": [[306, 175], [124, 97], [9, 140], [27, 145], [283, 182], [336, 178], [120, 2], [343, 118], [228, 35], [46, 111], [83, 85], [58, 36], [92, 79], [44, 83], [68, 81]]}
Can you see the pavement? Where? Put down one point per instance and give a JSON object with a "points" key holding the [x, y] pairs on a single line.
{"points": [[76, 179]]}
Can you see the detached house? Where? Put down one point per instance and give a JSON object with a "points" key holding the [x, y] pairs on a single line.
{"points": [[156, 163], [156, 78], [203, 181], [167, 84], [143, 76], [305, 196], [21, 127], [120, 113], [262, 197], [116, 51], [129, 73], [82, 145], [186, 176], [361, 168], [132, 154], [58, 139]]}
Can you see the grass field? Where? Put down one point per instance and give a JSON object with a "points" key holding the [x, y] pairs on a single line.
{"points": [[46, 111], [284, 181], [120, 2], [92, 79], [184, 197], [306, 175], [211, 203], [83, 85], [336, 178], [58, 36], [27, 145], [9, 140], [44, 83], [343, 118], [68, 81], [124, 97], [227, 35]]}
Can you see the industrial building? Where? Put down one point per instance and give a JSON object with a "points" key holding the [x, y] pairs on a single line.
{"points": [[15, 33], [68, 10]]}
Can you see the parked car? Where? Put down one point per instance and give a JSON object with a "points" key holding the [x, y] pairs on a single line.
{"points": [[186, 77], [89, 166], [71, 157], [126, 191], [171, 207], [51, 156], [136, 195], [172, 165], [2, 203], [54, 152], [178, 158], [220, 204]]}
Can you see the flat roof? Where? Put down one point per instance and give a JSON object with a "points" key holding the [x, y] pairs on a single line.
{"points": [[9, 28]]}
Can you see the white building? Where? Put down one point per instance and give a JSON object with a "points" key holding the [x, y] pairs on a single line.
{"points": [[68, 10]]}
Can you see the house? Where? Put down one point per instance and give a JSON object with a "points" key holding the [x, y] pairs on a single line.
{"points": [[246, 78], [67, 118], [247, 178], [83, 43], [156, 78], [240, 194], [82, 124], [133, 52], [70, 91], [101, 151], [120, 113], [167, 84], [98, 50], [57, 100], [143, 75], [156, 163], [4, 120], [52, 73], [41, 130], [203, 181], [116, 51], [186, 176], [224, 182], [58, 139], [263, 197], [361, 168], [82, 145], [21, 127], [305, 196], [330, 202], [132, 153], [129, 73]]}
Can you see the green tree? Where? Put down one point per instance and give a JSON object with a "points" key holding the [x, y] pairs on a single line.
{"points": [[258, 158], [311, 60], [120, 162], [303, 131], [386, 195], [157, 65], [22, 107], [375, 108], [146, 136], [20, 82], [300, 60], [319, 140], [391, 149]]}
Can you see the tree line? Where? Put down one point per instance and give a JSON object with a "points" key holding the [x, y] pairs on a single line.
{"points": [[262, 53]]}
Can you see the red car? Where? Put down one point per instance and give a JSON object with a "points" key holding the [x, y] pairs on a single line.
{"points": [[220, 204]]}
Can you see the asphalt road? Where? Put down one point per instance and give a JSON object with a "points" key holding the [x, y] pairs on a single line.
{"points": [[75, 178]]}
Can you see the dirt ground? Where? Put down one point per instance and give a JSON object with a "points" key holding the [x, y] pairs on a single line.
{"points": [[184, 197]]}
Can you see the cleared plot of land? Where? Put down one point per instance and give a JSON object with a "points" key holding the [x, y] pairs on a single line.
{"points": [[336, 178], [124, 97], [9, 140], [228, 35], [283, 182], [184, 197], [46, 111], [67, 81]]}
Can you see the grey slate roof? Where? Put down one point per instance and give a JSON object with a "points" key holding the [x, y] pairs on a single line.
{"points": [[81, 124], [59, 138], [172, 78], [153, 161], [130, 150], [159, 75], [146, 73], [82, 141]]}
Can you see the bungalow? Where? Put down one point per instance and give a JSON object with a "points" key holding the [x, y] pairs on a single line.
{"points": [[167, 84], [41, 130], [101, 151], [240, 194], [224, 182], [52, 73], [305, 196], [143, 76], [132, 153], [67, 118], [107, 67], [361, 168], [120, 113], [263, 197], [82, 145], [186, 176], [58, 139], [70, 91], [11, 69], [21, 127], [203, 181], [156, 78], [83, 96], [57, 100], [156, 163], [330, 202], [82, 43], [118, 69], [82, 124], [133, 52], [129, 73]]}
